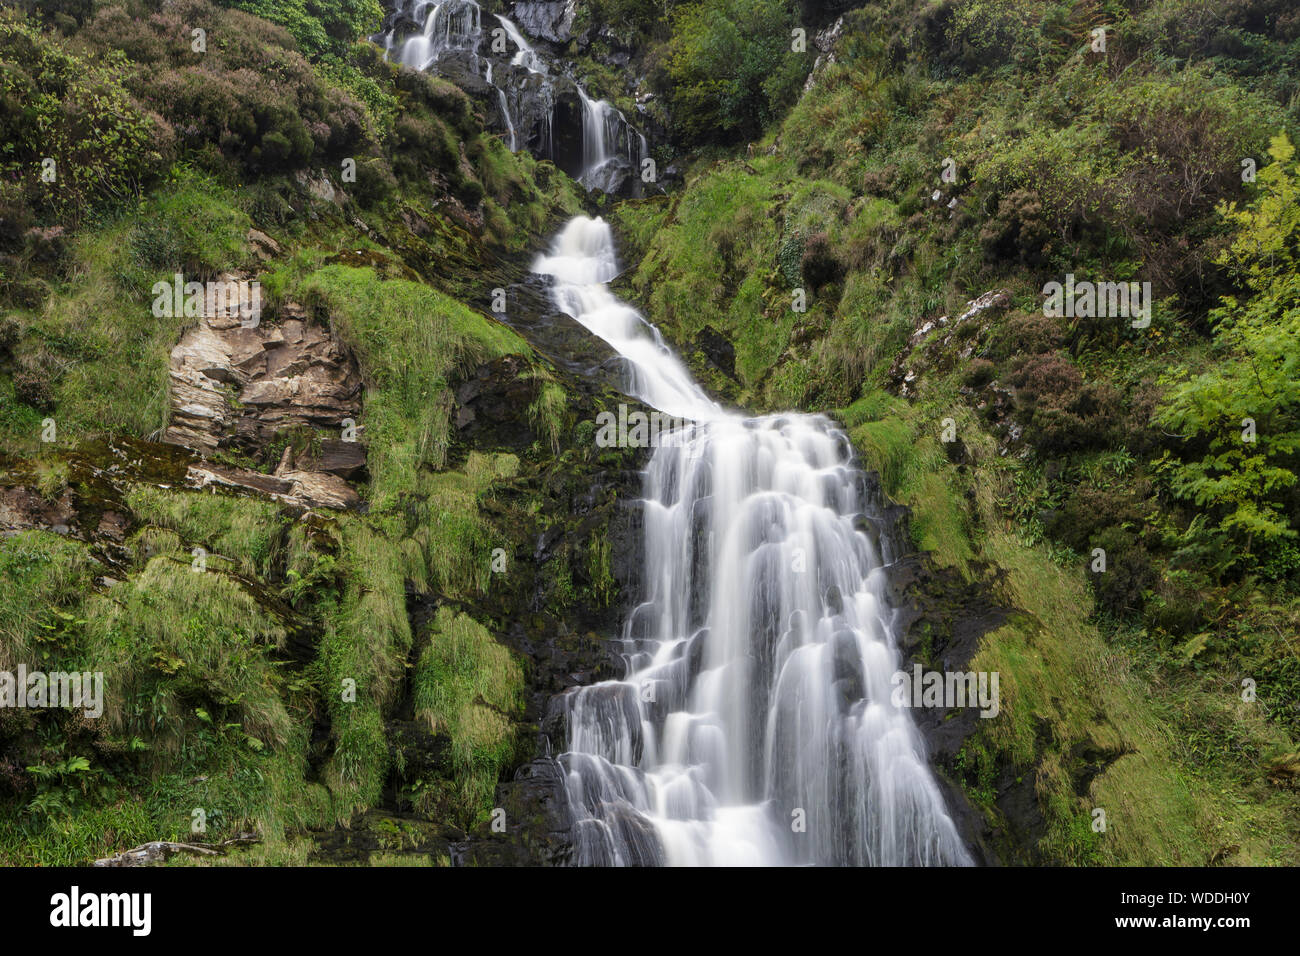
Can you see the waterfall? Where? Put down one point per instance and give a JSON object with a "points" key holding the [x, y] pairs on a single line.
{"points": [[525, 56], [505, 108], [594, 132], [450, 25], [604, 127], [455, 27], [754, 723]]}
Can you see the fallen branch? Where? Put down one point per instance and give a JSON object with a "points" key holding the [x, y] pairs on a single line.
{"points": [[158, 850]]}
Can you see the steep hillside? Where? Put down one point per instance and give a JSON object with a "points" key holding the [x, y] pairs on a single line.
{"points": [[335, 537], [884, 251]]}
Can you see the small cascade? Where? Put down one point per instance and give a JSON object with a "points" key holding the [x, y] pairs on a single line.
{"points": [[505, 109], [448, 25], [606, 134], [526, 56]]}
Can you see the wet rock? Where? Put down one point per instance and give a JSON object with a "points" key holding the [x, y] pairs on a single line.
{"points": [[547, 21], [718, 350], [22, 508], [537, 828]]}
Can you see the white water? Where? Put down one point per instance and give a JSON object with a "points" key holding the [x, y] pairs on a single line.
{"points": [[450, 25], [759, 660], [603, 127], [505, 108], [526, 56], [456, 26]]}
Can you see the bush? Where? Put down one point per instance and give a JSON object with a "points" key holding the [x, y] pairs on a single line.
{"points": [[1248, 475], [320, 27], [1028, 333], [75, 112], [1018, 231], [730, 68], [1062, 413], [251, 94], [1120, 589]]}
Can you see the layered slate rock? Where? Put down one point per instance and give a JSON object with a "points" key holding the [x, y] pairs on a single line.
{"points": [[236, 387]]}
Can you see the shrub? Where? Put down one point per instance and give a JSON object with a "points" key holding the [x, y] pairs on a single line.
{"points": [[1028, 333], [320, 27], [730, 67], [252, 94], [1063, 414], [74, 111], [1249, 482], [1129, 572]]}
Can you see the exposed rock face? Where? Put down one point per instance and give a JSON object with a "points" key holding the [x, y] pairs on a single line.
{"points": [[236, 387], [547, 21], [957, 341], [825, 42], [310, 489]]}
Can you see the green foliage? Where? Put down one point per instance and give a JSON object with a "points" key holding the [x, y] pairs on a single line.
{"points": [[111, 374], [1247, 478], [470, 688], [409, 338], [75, 111], [319, 26], [241, 529], [45, 573], [731, 67]]}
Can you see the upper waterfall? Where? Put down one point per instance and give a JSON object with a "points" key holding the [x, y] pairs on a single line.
{"points": [[754, 723], [594, 141]]}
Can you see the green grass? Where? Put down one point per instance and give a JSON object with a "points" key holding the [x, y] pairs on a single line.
{"points": [[241, 529], [110, 374], [470, 688], [410, 339], [43, 573]]}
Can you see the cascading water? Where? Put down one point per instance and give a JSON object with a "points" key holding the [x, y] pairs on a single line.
{"points": [[755, 723], [525, 56], [449, 25], [612, 149], [505, 110]]}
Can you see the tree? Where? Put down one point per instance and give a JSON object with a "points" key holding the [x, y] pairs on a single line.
{"points": [[1244, 412], [731, 67]]}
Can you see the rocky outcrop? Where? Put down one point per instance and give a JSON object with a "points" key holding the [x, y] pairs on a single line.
{"points": [[310, 489], [552, 22], [938, 344], [236, 386], [825, 41]]}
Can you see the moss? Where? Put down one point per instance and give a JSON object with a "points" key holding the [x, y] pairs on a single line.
{"points": [[470, 688], [410, 339]]}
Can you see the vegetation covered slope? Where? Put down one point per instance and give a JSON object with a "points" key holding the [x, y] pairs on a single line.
{"points": [[1129, 492], [876, 245], [324, 662]]}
